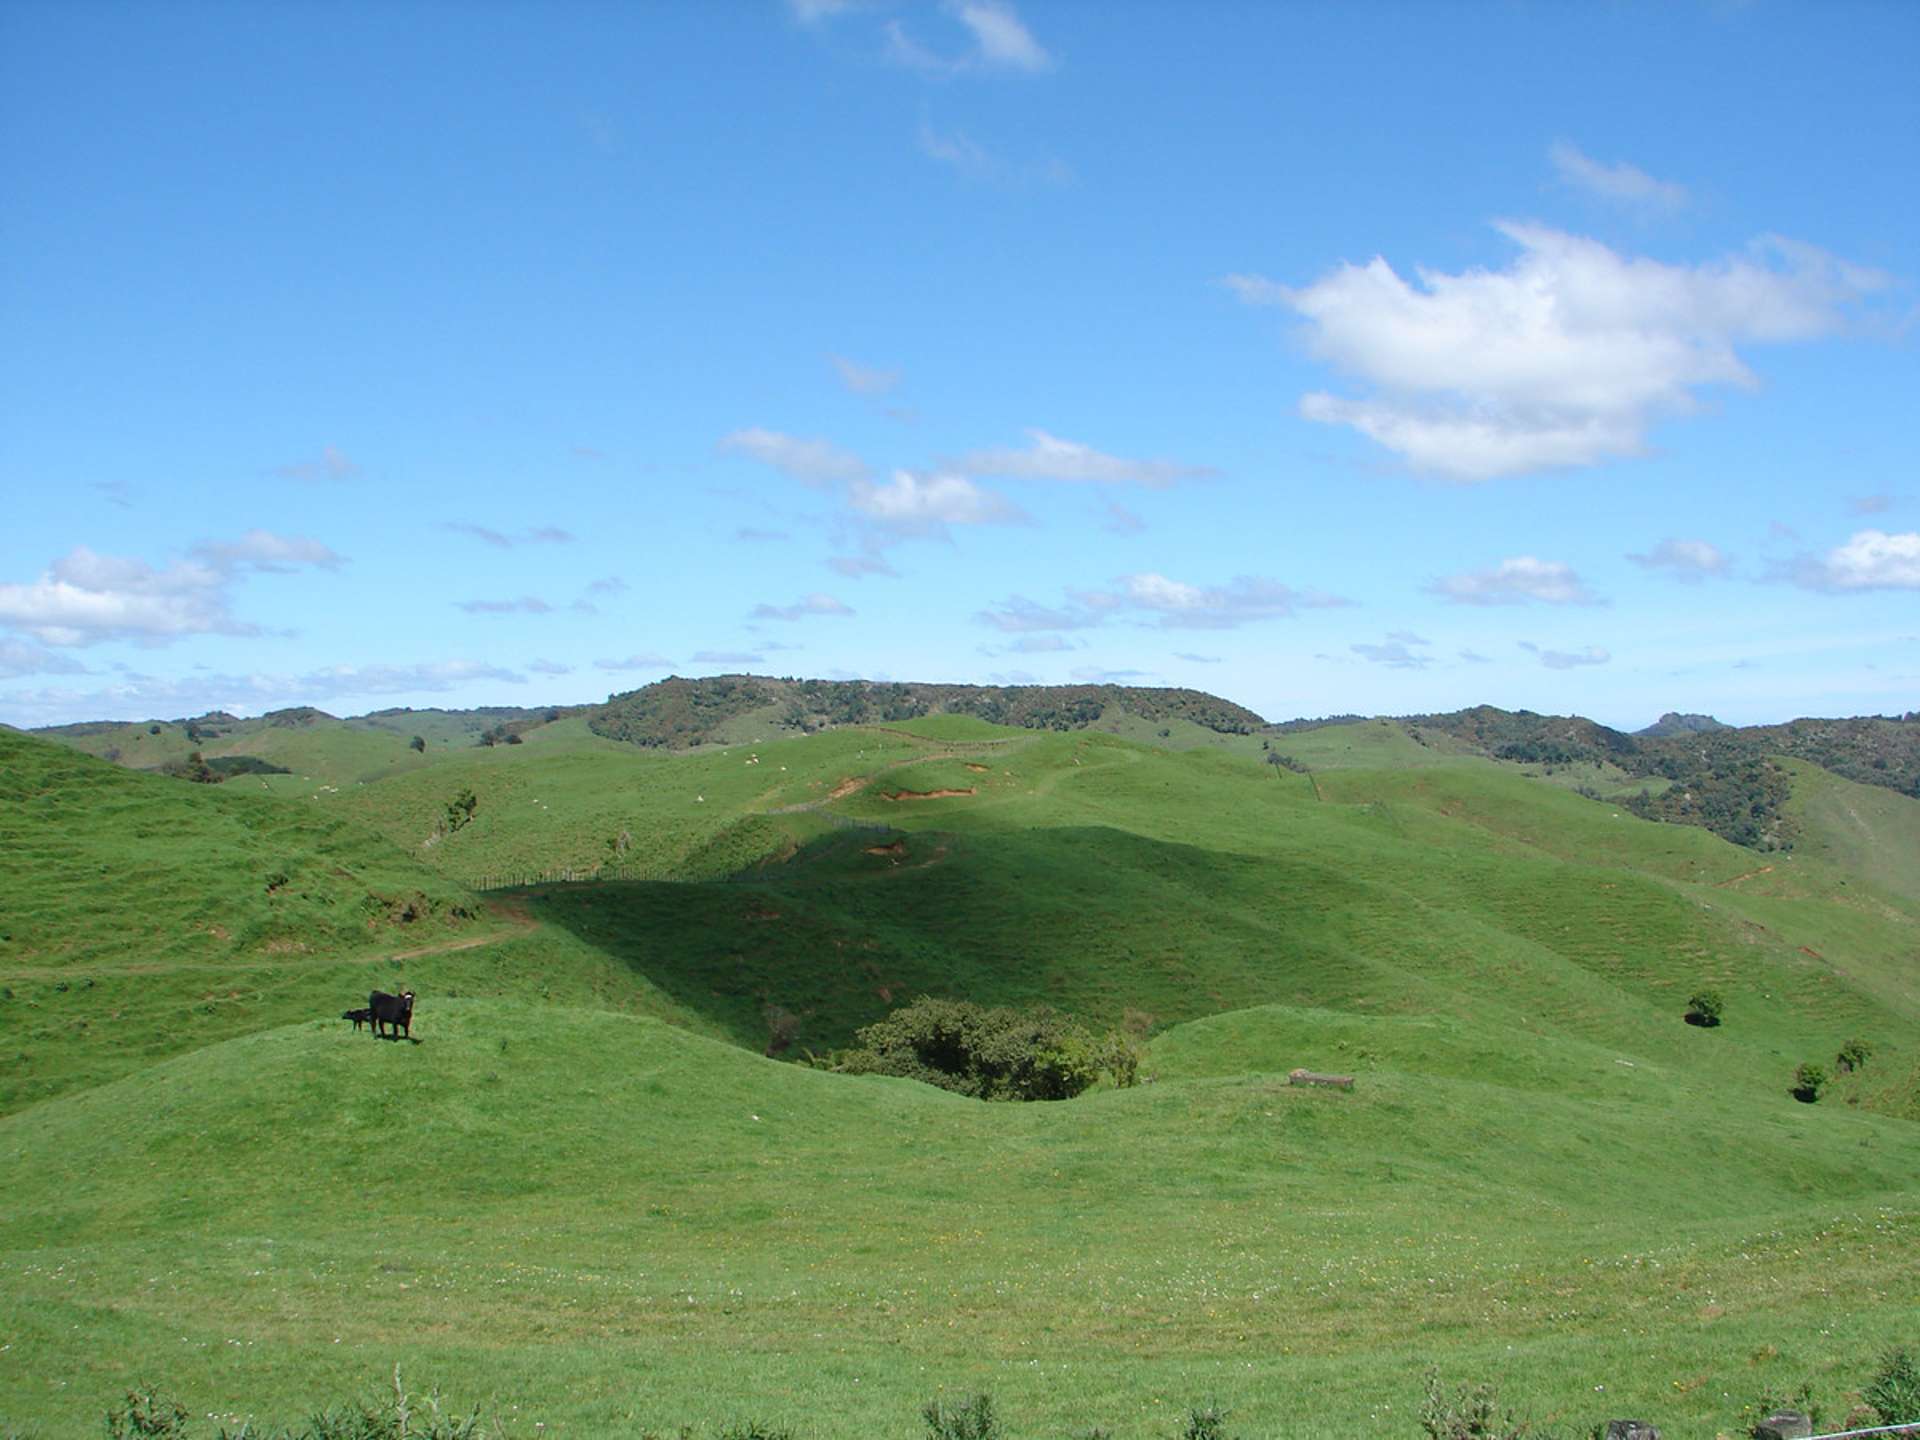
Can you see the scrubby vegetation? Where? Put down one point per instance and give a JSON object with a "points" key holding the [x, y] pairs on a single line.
{"points": [[988, 1052]]}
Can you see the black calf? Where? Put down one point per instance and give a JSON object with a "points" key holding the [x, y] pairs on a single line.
{"points": [[358, 1017]]}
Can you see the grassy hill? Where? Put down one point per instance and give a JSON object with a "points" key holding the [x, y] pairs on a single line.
{"points": [[585, 1196]]}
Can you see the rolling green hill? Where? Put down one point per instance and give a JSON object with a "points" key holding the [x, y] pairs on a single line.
{"points": [[586, 1198]]}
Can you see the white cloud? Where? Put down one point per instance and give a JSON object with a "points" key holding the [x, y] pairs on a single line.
{"points": [[549, 667], [959, 150], [86, 597], [1869, 560], [999, 36], [728, 657], [1564, 358], [1051, 458], [815, 604], [1190, 657], [18, 658], [999, 40], [911, 504], [813, 462], [1177, 605], [1622, 183], [1021, 616], [1567, 659], [1515, 581], [863, 379], [1689, 560]]}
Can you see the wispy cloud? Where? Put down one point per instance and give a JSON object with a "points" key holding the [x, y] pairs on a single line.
{"points": [[1397, 652], [525, 605], [810, 461], [1049, 457], [18, 657], [117, 493], [1194, 659], [911, 504], [635, 662], [1688, 560], [85, 597], [1621, 183], [1564, 358], [1869, 560], [863, 379], [1020, 616], [608, 585], [997, 39], [1566, 659], [1872, 504], [1516, 581], [549, 667], [538, 535], [1121, 521], [728, 657], [801, 609], [858, 567], [332, 465]]}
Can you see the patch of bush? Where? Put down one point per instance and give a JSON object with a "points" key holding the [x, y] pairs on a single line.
{"points": [[1808, 1081], [988, 1052], [1853, 1056], [1465, 1412], [1704, 1008], [972, 1418], [1205, 1422], [1894, 1392]]}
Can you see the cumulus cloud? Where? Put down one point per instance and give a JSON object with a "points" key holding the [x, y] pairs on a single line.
{"points": [[911, 504], [1396, 652], [1515, 581], [1562, 359], [810, 461], [1566, 659], [815, 604], [525, 605], [1869, 560], [1177, 605], [332, 465], [863, 379], [1689, 560], [1051, 458], [540, 535], [85, 597], [1622, 183]]}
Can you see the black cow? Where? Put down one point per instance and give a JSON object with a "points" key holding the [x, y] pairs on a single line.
{"points": [[394, 1010], [358, 1017]]}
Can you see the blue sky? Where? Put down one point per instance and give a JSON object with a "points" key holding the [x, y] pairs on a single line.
{"points": [[1358, 357]]}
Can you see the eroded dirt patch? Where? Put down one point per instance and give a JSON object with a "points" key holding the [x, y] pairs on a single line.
{"points": [[925, 794], [897, 849], [847, 786]]}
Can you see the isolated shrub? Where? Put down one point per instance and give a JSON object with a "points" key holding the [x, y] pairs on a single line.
{"points": [[418, 743], [754, 1430], [1465, 1412], [990, 1053], [1894, 1392], [1808, 1081], [1853, 1056], [1704, 1008], [968, 1419], [1775, 1399], [1205, 1422], [1120, 1058], [146, 1412], [460, 809]]}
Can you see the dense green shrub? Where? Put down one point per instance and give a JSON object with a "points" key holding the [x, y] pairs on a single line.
{"points": [[988, 1052], [1704, 1008], [146, 1412], [1808, 1081], [1853, 1056], [1205, 1422], [1465, 1412], [969, 1419], [1894, 1392]]}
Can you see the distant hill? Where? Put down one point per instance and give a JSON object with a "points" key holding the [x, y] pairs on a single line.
{"points": [[1674, 723], [678, 713]]}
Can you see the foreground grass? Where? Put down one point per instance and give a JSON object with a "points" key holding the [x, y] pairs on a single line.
{"points": [[608, 1221]]}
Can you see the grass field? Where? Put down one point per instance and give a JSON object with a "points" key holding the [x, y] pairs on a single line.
{"points": [[584, 1198]]}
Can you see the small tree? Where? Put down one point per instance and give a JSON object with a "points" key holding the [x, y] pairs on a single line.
{"points": [[1808, 1081], [418, 744], [1853, 1056], [1704, 1008]]}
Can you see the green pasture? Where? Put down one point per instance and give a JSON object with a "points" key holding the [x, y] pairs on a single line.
{"points": [[585, 1198]]}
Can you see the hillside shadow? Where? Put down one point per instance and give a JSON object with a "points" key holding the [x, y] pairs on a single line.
{"points": [[1095, 921]]}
